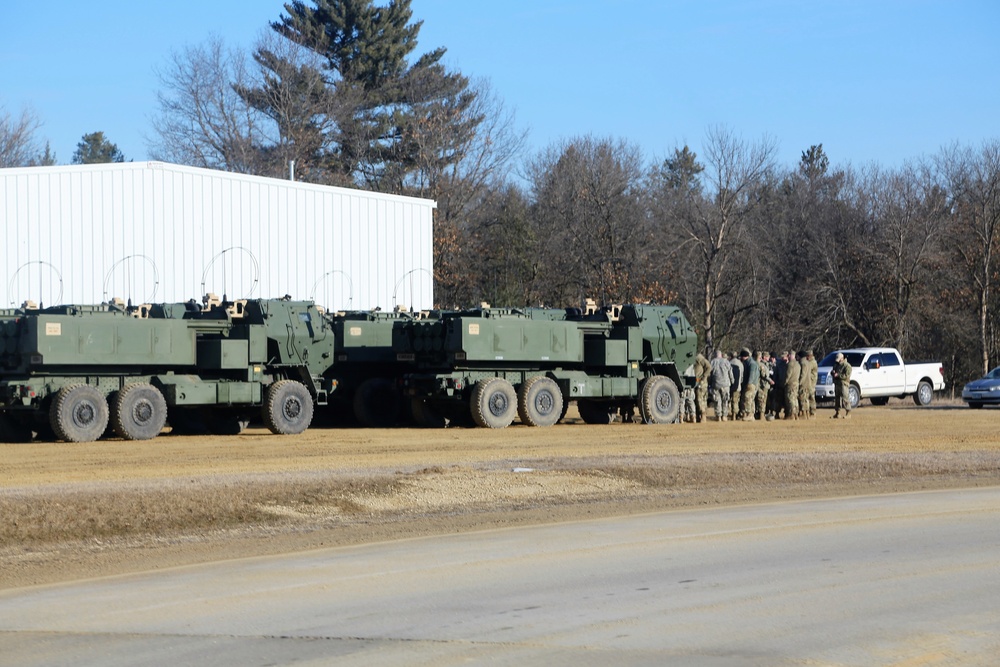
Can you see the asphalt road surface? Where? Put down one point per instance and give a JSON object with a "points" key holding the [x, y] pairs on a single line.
{"points": [[905, 580]]}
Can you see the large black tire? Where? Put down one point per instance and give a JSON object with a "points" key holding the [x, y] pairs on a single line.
{"points": [[377, 403], [494, 403], [426, 415], [595, 412], [186, 421], [139, 412], [224, 422], [13, 429], [79, 413], [288, 407], [540, 402], [659, 400], [924, 394]]}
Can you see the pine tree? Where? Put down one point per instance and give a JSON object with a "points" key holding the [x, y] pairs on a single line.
{"points": [[95, 148], [387, 122]]}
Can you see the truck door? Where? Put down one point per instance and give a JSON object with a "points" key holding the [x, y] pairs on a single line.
{"points": [[894, 372], [887, 375]]}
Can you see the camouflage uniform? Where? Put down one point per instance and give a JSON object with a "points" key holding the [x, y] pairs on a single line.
{"points": [[813, 377], [764, 388], [803, 385], [751, 378], [734, 392], [792, 387], [842, 387], [722, 382], [702, 372]]}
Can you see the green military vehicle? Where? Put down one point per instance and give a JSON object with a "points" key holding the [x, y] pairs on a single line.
{"points": [[492, 364], [77, 373]]}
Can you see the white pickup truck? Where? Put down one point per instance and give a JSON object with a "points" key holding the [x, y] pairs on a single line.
{"points": [[878, 374]]}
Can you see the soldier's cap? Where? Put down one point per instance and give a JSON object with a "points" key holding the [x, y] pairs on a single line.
{"points": [[809, 353], [784, 353]]}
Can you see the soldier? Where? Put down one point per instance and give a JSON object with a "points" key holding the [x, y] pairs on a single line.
{"points": [[702, 373], [751, 378], [804, 372], [810, 407], [793, 371], [734, 393], [764, 388], [722, 382], [841, 386], [778, 390]]}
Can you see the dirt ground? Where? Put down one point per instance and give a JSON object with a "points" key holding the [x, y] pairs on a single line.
{"points": [[73, 511]]}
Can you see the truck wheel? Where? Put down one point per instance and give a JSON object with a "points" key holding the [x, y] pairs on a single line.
{"points": [[79, 413], [659, 400], [924, 394], [14, 430], [854, 395], [426, 415], [139, 412], [595, 412], [288, 407], [494, 403], [224, 422], [540, 402], [377, 403]]}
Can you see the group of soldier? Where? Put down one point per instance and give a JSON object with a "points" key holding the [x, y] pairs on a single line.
{"points": [[749, 387]]}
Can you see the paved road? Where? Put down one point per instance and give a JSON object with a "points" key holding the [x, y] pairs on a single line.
{"points": [[899, 580]]}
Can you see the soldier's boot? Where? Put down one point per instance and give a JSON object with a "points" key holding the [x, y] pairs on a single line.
{"points": [[847, 415], [836, 415]]}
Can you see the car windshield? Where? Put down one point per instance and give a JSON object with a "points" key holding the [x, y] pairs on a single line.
{"points": [[993, 374], [853, 358]]}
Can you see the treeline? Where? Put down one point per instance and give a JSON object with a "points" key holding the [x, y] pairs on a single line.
{"points": [[811, 255]]}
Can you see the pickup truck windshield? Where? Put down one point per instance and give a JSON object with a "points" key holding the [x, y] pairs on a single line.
{"points": [[853, 358]]}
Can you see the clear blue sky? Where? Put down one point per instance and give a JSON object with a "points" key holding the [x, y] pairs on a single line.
{"points": [[872, 80]]}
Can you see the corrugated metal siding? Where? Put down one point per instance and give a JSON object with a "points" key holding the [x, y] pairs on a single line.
{"points": [[152, 231]]}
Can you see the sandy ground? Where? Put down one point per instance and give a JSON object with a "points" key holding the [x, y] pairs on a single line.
{"points": [[175, 500]]}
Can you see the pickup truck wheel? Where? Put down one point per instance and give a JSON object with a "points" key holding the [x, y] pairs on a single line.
{"points": [[139, 412], [854, 395], [494, 403], [288, 408], [659, 400], [79, 413], [924, 394], [540, 402]]}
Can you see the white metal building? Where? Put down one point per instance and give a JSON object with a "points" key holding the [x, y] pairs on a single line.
{"points": [[157, 232]]}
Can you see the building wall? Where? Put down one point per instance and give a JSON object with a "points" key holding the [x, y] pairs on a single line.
{"points": [[151, 231]]}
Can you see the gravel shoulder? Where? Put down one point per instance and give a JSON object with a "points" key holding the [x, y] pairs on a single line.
{"points": [[74, 511]]}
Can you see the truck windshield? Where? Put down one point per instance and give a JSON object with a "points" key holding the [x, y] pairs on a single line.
{"points": [[853, 358]]}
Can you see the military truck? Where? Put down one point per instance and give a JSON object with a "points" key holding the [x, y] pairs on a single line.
{"points": [[495, 364], [78, 372]]}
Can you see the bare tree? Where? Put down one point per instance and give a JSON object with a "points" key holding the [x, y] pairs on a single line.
{"points": [[711, 224], [973, 177], [18, 143], [589, 219]]}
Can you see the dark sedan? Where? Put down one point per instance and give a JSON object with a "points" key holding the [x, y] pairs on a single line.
{"points": [[984, 391]]}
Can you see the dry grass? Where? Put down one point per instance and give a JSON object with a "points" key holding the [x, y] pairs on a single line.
{"points": [[50, 515], [44, 517]]}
